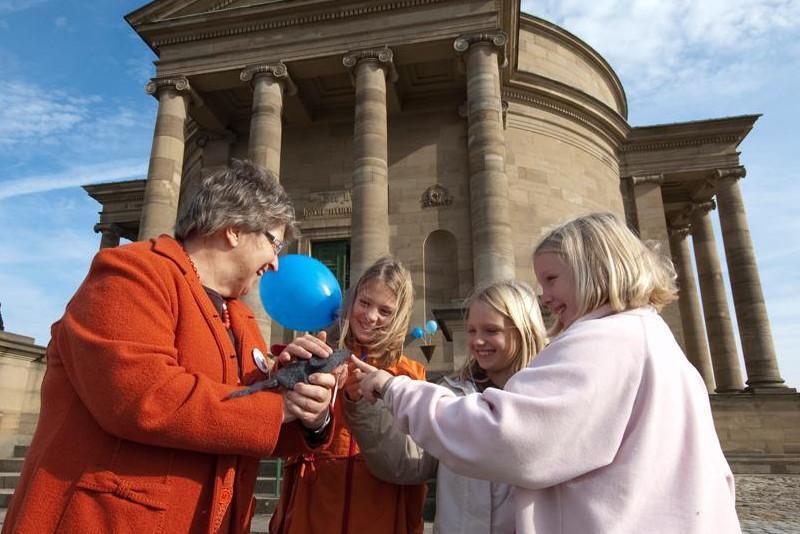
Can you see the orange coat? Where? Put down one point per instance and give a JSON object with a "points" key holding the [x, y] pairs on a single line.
{"points": [[133, 434], [331, 491]]}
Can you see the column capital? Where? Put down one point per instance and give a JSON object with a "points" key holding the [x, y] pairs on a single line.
{"points": [[277, 71], [108, 228], [704, 207], [678, 232], [737, 173], [495, 38], [179, 83], [655, 179], [382, 56]]}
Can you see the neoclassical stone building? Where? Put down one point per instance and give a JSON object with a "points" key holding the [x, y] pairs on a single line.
{"points": [[451, 134]]}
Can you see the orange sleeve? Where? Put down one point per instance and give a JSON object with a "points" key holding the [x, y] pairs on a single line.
{"points": [[117, 345]]}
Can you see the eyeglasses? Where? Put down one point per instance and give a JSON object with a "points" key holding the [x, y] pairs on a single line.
{"points": [[277, 244]]}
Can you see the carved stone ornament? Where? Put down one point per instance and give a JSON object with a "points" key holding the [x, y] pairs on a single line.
{"points": [[328, 204], [277, 71], [108, 228], [737, 173], [678, 232], [656, 179], [497, 38], [436, 196], [704, 207], [179, 83], [383, 56]]}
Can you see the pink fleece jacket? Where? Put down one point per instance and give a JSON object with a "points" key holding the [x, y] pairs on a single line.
{"points": [[608, 431]]}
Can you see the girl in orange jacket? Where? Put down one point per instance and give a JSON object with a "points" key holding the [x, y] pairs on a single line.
{"points": [[331, 490]]}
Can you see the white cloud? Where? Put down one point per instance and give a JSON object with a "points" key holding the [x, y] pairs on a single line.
{"points": [[28, 112], [9, 6], [671, 51], [80, 175]]}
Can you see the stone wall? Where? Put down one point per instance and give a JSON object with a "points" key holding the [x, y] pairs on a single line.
{"points": [[551, 56], [759, 433], [21, 371], [556, 171]]}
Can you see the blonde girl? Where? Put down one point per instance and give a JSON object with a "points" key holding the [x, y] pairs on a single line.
{"points": [[610, 428], [329, 488], [505, 331]]}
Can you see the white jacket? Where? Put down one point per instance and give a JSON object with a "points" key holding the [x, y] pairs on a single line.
{"points": [[608, 431], [463, 505]]}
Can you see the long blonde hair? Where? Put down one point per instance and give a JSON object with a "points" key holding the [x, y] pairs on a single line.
{"points": [[610, 265], [389, 344], [517, 302]]}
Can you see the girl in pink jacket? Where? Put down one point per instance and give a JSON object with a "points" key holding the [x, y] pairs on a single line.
{"points": [[609, 430]]}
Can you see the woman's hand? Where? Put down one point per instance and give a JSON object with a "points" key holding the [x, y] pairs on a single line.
{"points": [[371, 380], [309, 403], [303, 347]]}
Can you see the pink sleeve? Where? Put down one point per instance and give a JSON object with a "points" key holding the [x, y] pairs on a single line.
{"points": [[561, 418]]}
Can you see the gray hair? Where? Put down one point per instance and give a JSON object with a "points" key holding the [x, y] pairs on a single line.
{"points": [[245, 196]]}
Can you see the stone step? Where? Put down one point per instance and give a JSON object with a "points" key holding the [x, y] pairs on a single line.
{"points": [[269, 468], [20, 451], [11, 465], [267, 485], [764, 464], [9, 480], [5, 497], [265, 503]]}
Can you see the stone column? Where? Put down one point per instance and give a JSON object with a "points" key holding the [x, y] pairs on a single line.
{"points": [[748, 298], [492, 244], [269, 82], [370, 220], [162, 192], [266, 131], [652, 224], [724, 357], [109, 235], [694, 333]]}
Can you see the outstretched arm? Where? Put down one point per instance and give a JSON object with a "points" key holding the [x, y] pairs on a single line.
{"points": [[555, 421], [390, 454]]}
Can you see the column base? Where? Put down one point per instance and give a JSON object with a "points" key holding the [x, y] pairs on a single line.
{"points": [[728, 391], [771, 390]]}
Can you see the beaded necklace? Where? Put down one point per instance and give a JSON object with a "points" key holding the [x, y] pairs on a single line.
{"points": [[226, 316]]}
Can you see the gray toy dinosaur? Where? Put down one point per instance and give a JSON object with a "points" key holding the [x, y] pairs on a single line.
{"points": [[296, 372]]}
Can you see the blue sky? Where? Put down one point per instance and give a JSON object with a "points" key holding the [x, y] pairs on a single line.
{"points": [[73, 111]]}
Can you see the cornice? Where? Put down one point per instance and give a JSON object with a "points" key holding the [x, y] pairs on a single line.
{"points": [[231, 28], [679, 143], [615, 132]]}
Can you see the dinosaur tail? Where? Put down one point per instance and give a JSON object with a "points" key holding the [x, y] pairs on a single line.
{"points": [[258, 386]]}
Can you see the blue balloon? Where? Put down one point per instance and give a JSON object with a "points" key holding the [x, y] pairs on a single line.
{"points": [[431, 326], [303, 294], [417, 332]]}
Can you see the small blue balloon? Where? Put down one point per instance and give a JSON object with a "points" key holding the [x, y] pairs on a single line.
{"points": [[303, 294], [417, 332], [431, 326]]}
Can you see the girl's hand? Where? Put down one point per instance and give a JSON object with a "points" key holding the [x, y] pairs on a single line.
{"points": [[371, 380]]}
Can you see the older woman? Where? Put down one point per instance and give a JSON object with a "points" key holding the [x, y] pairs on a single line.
{"points": [[134, 433]]}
